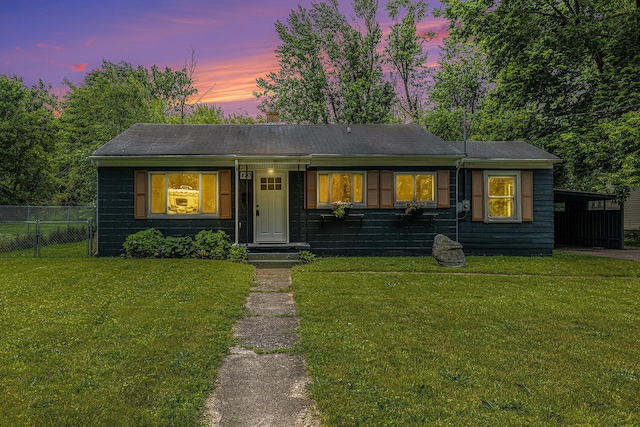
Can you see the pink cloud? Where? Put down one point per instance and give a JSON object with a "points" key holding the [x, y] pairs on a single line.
{"points": [[234, 79], [79, 67], [17, 48], [44, 45], [89, 42]]}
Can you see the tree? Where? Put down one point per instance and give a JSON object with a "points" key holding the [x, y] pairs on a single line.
{"points": [[460, 86], [214, 115], [299, 91], [329, 70], [174, 89], [571, 66], [111, 98], [462, 80], [27, 137], [27, 140], [405, 52]]}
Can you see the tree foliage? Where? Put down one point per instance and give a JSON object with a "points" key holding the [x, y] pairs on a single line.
{"points": [[566, 73], [330, 68], [405, 52], [458, 90], [204, 114], [110, 99], [28, 131]]}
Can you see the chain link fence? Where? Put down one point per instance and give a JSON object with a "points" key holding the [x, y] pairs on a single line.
{"points": [[43, 230]]}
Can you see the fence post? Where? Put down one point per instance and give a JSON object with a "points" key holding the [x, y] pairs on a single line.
{"points": [[36, 240], [89, 236]]}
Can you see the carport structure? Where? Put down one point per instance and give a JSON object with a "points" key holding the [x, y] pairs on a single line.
{"points": [[588, 219]]}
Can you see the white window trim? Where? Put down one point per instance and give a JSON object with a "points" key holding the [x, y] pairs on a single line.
{"points": [[517, 217], [362, 204], [403, 204], [182, 216]]}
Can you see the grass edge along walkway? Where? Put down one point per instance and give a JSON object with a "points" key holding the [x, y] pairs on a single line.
{"points": [[112, 341], [498, 348]]}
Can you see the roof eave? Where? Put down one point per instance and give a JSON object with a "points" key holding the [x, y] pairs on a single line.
{"points": [[510, 163], [337, 160], [163, 161]]}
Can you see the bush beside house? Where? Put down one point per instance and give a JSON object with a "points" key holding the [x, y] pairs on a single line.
{"points": [[207, 244]]}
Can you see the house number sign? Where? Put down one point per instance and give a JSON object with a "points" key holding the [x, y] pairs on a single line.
{"points": [[245, 175]]}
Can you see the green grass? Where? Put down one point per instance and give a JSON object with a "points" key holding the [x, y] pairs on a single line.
{"points": [[107, 342], [59, 250], [502, 342]]}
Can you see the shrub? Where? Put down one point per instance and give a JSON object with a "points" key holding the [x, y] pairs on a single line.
{"points": [[238, 254], [177, 247], [212, 245], [144, 244], [306, 257]]}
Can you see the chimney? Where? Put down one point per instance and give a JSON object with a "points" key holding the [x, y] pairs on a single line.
{"points": [[272, 117]]}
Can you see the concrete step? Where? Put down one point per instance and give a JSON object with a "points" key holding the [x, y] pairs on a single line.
{"points": [[274, 259]]}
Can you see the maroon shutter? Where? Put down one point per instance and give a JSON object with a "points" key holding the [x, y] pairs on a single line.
{"points": [[140, 183], [477, 196], [373, 189], [526, 184], [224, 187], [386, 189], [443, 195], [311, 194]]}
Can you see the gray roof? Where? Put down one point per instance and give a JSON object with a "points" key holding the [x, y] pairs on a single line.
{"points": [[504, 150], [377, 144], [276, 140]]}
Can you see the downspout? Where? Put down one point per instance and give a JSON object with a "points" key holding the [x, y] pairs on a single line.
{"points": [[96, 243], [247, 206], [458, 165], [237, 203], [306, 210], [300, 202], [459, 207]]}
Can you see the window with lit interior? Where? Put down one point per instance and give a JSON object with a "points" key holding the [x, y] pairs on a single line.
{"points": [[340, 187], [502, 203], [177, 193], [415, 187]]}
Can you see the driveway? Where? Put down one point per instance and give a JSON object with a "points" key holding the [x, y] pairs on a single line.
{"points": [[630, 253]]}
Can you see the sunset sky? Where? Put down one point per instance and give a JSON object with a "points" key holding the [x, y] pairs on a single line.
{"points": [[234, 41]]}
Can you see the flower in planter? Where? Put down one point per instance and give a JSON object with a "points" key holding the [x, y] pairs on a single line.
{"points": [[414, 208], [341, 209]]}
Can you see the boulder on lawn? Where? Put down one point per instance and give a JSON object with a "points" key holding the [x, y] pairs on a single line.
{"points": [[448, 252]]}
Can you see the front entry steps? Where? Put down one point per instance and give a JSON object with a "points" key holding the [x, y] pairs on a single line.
{"points": [[267, 255]]}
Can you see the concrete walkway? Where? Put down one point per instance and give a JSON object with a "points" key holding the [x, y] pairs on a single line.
{"points": [[255, 388]]}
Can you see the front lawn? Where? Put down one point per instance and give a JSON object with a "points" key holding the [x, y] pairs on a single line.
{"points": [[106, 342], [502, 342]]}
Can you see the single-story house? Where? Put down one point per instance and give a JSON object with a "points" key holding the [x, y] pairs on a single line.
{"points": [[275, 185]]}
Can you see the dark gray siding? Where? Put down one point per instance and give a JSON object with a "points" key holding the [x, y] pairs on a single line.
{"points": [[115, 213], [527, 238], [381, 232]]}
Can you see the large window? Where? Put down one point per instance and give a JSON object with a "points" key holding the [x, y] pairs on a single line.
{"points": [[177, 193], [415, 187], [340, 187], [502, 196]]}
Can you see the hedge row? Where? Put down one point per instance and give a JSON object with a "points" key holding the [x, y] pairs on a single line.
{"points": [[207, 244]]}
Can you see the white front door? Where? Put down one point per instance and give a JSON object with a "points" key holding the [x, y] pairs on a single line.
{"points": [[271, 207]]}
